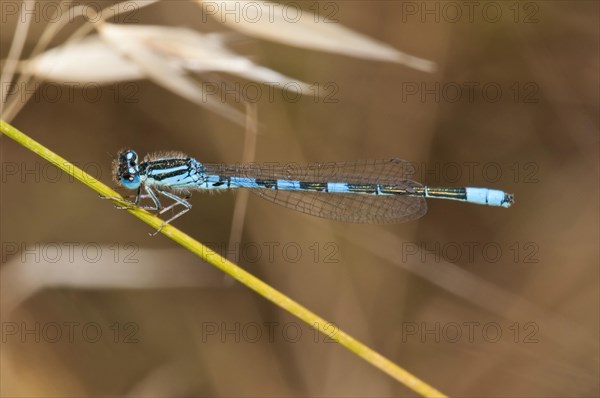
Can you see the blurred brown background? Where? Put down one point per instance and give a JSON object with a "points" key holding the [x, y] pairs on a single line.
{"points": [[174, 326]]}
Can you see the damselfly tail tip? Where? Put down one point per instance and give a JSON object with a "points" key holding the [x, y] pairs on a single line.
{"points": [[509, 200]]}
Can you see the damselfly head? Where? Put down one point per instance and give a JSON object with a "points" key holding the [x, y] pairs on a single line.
{"points": [[126, 170]]}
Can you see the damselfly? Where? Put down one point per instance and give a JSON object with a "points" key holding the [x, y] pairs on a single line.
{"points": [[370, 191]]}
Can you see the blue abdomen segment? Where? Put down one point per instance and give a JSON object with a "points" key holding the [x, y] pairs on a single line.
{"points": [[490, 197], [220, 182]]}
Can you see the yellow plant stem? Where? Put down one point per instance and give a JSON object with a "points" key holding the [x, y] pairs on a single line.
{"points": [[232, 269]]}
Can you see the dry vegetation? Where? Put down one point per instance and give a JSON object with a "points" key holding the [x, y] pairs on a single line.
{"points": [[140, 79]]}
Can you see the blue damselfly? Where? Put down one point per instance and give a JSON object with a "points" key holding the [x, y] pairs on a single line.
{"points": [[368, 191]]}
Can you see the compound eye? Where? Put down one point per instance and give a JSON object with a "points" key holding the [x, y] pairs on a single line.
{"points": [[127, 171], [130, 181], [130, 157]]}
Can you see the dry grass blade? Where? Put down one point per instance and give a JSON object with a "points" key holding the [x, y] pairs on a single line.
{"points": [[26, 78], [89, 60], [266, 21], [129, 41], [22, 277], [15, 52], [95, 59], [166, 55]]}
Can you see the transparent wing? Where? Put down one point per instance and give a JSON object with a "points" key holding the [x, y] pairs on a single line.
{"points": [[384, 171], [356, 208]]}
